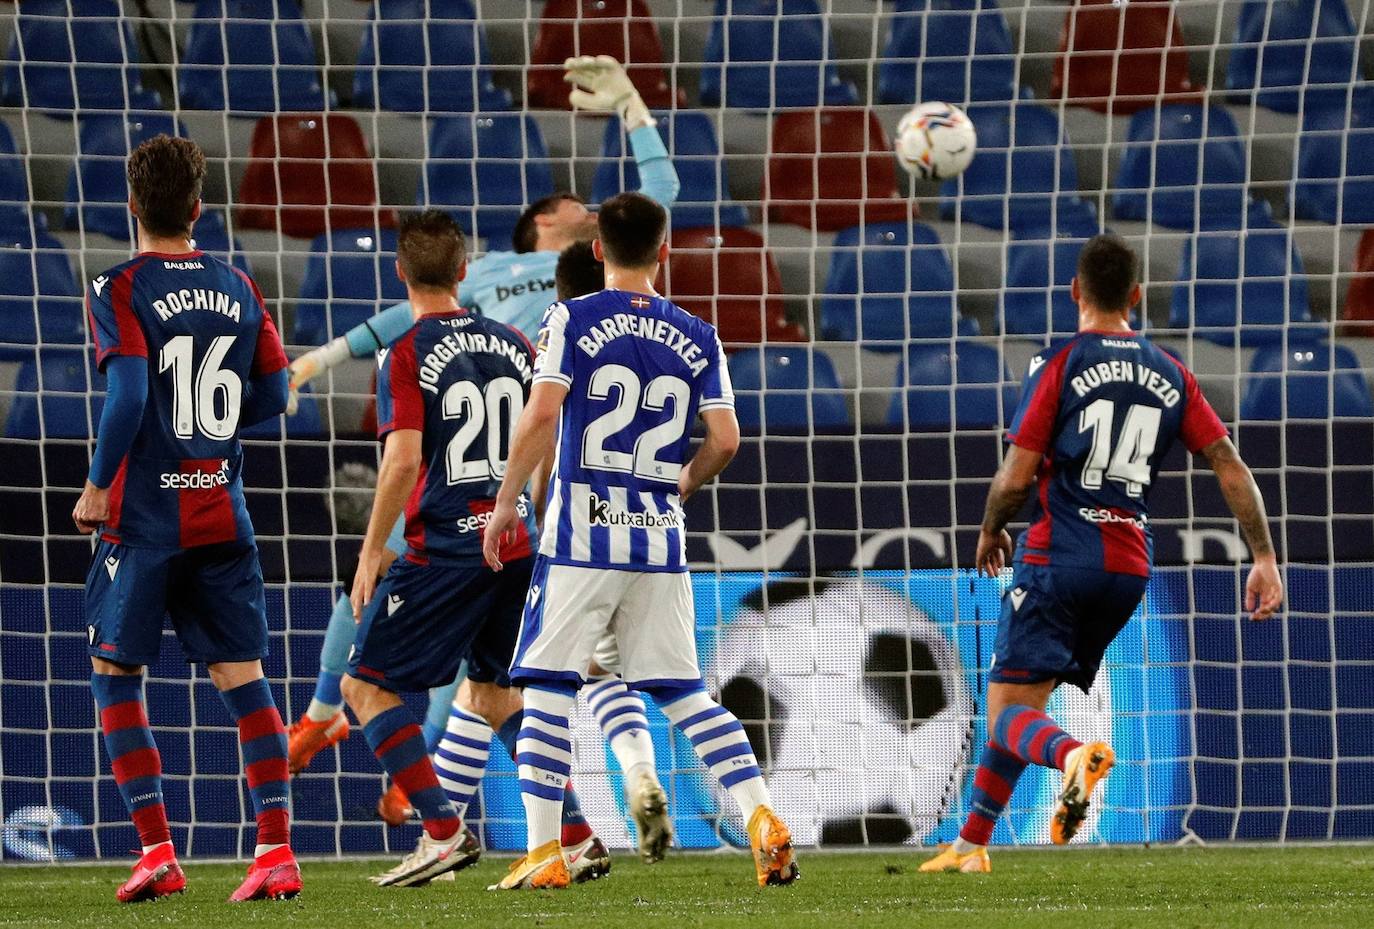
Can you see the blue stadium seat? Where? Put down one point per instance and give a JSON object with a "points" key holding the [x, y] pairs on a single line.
{"points": [[1036, 300], [1024, 175], [425, 56], [69, 411], [306, 423], [1275, 40], [963, 48], [928, 380], [350, 277], [1225, 306], [888, 283], [14, 188], [485, 170], [212, 237], [771, 53], [1319, 380], [691, 140], [73, 53], [798, 385], [1159, 178], [1334, 178], [44, 273], [97, 188], [270, 56]]}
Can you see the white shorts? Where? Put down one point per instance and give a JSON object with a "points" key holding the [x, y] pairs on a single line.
{"points": [[569, 612]]}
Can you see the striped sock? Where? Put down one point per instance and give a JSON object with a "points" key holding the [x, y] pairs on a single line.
{"points": [[544, 758], [398, 745], [720, 743], [461, 758], [1033, 737], [133, 753], [262, 739], [619, 711], [437, 715], [993, 783], [575, 828]]}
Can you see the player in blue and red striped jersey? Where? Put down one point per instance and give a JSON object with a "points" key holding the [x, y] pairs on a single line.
{"points": [[1096, 418], [191, 356]]}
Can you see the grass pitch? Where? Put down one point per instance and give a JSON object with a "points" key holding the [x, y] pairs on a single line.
{"points": [[1216, 887]]}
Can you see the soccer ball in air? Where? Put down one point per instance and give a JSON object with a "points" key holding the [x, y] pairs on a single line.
{"points": [[935, 141], [856, 705]]}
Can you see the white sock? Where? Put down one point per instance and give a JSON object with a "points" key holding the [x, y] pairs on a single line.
{"points": [[320, 712], [716, 734], [149, 848], [963, 846], [619, 712], [544, 760], [260, 850]]}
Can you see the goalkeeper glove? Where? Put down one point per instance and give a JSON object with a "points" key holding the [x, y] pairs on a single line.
{"points": [[601, 84]]}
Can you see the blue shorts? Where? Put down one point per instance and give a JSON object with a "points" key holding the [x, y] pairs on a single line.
{"points": [[424, 620], [213, 594], [1056, 623]]}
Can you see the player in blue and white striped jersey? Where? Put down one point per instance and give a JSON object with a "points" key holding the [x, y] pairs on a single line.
{"points": [[620, 377]]}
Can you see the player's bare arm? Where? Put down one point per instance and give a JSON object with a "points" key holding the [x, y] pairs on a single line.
{"points": [[722, 442], [1264, 586], [1010, 489], [533, 443], [395, 481], [539, 488]]}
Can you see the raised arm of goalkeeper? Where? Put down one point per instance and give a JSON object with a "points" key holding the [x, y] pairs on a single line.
{"points": [[599, 84]]}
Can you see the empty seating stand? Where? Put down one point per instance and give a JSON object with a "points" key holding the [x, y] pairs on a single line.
{"points": [[940, 387], [623, 29], [1284, 51], [98, 187], [741, 69], [249, 56], [1314, 381], [42, 274], [1334, 176], [729, 278], [787, 389], [350, 277], [1119, 58], [955, 51]]}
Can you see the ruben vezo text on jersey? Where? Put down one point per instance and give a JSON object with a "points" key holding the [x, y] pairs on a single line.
{"points": [[1108, 372]]}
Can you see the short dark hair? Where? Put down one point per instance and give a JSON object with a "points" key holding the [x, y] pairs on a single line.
{"points": [[1108, 270], [631, 227], [525, 235], [165, 177], [431, 249], [578, 272]]}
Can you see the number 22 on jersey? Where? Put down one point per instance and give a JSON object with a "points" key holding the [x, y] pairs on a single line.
{"points": [[644, 462]]}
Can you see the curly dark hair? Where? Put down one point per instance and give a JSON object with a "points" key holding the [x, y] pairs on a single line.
{"points": [[165, 176]]}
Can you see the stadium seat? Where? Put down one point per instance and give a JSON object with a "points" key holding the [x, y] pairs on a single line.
{"points": [[1282, 47], [956, 51], [59, 382], [888, 283], [14, 188], [1359, 301], [44, 273], [1224, 305], [484, 170], [212, 237], [623, 29], [350, 277], [1317, 381], [1334, 179], [798, 388], [1036, 299], [930, 381], [98, 188], [1159, 178], [728, 278], [771, 53], [704, 197], [831, 169], [1119, 58], [1024, 175], [308, 173], [70, 54], [249, 56], [425, 56], [305, 423]]}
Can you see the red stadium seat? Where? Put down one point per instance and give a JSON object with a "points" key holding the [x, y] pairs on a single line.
{"points": [[832, 169], [309, 174], [729, 279], [623, 29], [1120, 58], [1359, 300]]}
